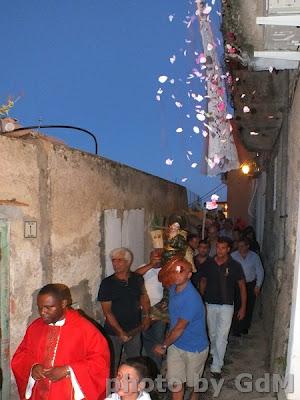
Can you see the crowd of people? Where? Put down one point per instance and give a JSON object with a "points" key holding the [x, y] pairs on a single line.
{"points": [[64, 356]]}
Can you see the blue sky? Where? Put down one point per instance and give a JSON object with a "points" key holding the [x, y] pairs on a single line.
{"points": [[95, 64]]}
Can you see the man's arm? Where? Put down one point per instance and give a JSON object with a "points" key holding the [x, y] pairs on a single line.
{"points": [[145, 305], [259, 271], [172, 336], [243, 293], [145, 268], [111, 319], [202, 285]]}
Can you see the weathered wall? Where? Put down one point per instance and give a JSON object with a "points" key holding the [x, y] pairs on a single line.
{"points": [[66, 192], [280, 234], [238, 195]]}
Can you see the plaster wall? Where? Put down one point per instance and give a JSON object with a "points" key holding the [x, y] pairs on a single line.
{"points": [[66, 192], [279, 249]]}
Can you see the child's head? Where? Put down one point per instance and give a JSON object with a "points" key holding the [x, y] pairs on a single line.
{"points": [[130, 376]]}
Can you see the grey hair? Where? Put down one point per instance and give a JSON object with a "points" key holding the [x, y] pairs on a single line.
{"points": [[124, 251]]}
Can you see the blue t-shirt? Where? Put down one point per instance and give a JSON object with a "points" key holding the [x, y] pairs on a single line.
{"points": [[189, 306]]}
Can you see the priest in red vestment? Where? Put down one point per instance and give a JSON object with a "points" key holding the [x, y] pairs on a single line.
{"points": [[63, 356]]}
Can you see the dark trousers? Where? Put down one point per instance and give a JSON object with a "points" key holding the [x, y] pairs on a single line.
{"points": [[132, 348], [244, 325], [152, 336]]}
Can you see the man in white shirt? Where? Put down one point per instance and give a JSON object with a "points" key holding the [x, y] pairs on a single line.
{"points": [[254, 274], [154, 288]]}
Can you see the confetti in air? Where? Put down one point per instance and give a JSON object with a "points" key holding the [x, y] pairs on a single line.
{"points": [[179, 130], [169, 161], [163, 79]]}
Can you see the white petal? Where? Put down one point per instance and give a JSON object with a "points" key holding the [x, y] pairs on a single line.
{"points": [[160, 91], [210, 47], [169, 161], [171, 17], [163, 79], [271, 69], [172, 81], [178, 104], [243, 95], [246, 109], [228, 116], [207, 9], [179, 130], [196, 129], [204, 133], [172, 59], [157, 97], [184, 179], [190, 153], [254, 133], [188, 116], [200, 117], [194, 165]]}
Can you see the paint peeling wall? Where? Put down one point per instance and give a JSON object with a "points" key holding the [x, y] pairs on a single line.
{"points": [[66, 192]]}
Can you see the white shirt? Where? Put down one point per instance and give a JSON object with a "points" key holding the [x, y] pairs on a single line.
{"points": [[142, 396], [78, 395], [153, 286], [251, 265]]}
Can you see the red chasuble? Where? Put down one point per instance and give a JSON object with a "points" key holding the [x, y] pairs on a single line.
{"points": [[78, 344]]}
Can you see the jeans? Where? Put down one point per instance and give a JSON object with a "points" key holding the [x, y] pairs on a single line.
{"points": [[152, 336], [219, 319], [132, 348]]}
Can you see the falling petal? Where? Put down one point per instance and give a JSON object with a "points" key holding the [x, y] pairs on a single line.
{"points": [[228, 116], [169, 161], [194, 165], [188, 41], [163, 79], [271, 69], [237, 79], [172, 81], [189, 152], [188, 157], [179, 130], [157, 97], [160, 91], [188, 116], [210, 47], [254, 133], [196, 129], [243, 95], [204, 133], [178, 104], [200, 117], [207, 9], [172, 59], [184, 179], [246, 109], [184, 53], [171, 17]]}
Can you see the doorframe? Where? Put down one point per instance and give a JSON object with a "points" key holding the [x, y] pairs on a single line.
{"points": [[5, 309]]}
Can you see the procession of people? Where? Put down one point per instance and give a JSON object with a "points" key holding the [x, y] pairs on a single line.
{"points": [[172, 314]]}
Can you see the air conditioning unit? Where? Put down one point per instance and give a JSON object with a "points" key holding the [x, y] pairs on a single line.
{"points": [[283, 6]]}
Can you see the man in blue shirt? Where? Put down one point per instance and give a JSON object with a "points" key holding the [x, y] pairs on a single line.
{"points": [[186, 341], [254, 274]]}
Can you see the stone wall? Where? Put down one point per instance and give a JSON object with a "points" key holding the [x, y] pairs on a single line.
{"points": [[280, 233], [66, 191]]}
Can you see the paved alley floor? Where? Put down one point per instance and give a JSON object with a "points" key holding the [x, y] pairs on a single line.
{"points": [[245, 355]]}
